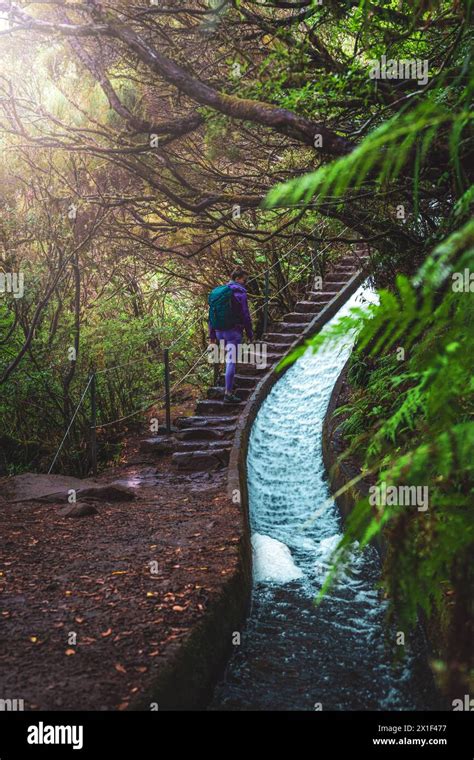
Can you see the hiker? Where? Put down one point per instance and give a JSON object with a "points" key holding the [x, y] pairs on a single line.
{"points": [[228, 317]]}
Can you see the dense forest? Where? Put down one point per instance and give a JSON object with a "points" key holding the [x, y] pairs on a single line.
{"points": [[148, 148]]}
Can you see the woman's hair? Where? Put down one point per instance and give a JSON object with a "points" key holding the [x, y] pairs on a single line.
{"points": [[238, 273]]}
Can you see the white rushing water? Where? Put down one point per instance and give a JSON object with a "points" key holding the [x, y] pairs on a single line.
{"points": [[293, 654]]}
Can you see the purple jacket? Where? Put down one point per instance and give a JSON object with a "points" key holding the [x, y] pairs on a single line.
{"points": [[243, 319]]}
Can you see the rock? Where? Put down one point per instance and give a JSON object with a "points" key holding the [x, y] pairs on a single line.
{"points": [[106, 492], [78, 510], [56, 488], [31, 486]]}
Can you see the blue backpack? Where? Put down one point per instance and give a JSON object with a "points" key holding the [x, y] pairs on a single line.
{"points": [[221, 308]]}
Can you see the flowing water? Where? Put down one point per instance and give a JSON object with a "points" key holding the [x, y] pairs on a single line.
{"points": [[294, 655]]}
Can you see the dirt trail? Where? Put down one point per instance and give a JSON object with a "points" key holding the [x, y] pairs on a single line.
{"points": [[91, 576]]}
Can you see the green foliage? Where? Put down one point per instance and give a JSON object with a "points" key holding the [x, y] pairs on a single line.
{"points": [[410, 421], [32, 409], [382, 156]]}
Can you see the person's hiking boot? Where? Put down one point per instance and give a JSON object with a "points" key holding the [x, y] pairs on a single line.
{"points": [[231, 398]]}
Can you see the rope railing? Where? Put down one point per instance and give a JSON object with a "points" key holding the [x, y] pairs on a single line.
{"points": [[132, 414], [91, 384], [154, 401], [70, 425], [125, 364]]}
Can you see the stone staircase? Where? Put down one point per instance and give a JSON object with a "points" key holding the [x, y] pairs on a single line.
{"points": [[203, 441]]}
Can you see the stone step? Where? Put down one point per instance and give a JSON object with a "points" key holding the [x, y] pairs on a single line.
{"points": [[274, 355], [277, 348], [206, 407], [251, 370], [279, 338], [353, 256], [292, 328], [335, 281], [216, 392], [328, 294], [197, 421], [304, 307], [201, 460], [203, 445], [299, 317], [159, 444], [246, 381], [318, 297], [216, 433]]}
